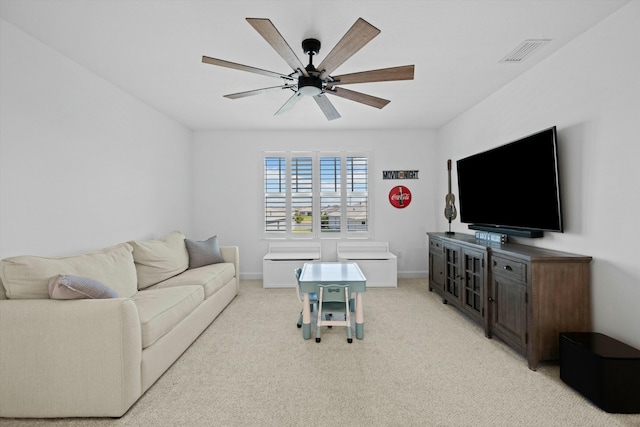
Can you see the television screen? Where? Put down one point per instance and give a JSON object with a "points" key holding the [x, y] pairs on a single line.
{"points": [[514, 186]]}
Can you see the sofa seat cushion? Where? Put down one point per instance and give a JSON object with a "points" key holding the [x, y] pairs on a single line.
{"points": [[27, 277], [211, 277], [160, 310], [157, 260]]}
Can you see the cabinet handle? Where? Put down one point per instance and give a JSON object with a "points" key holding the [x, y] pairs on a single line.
{"points": [[491, 299], [508, 268]]}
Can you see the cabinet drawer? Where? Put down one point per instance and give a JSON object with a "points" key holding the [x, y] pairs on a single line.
{"points": [[435, 245], [509, 268]]}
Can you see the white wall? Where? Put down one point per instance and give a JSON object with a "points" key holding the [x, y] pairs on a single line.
{"points": [[591, 90], [228, 189], [83, 165]]}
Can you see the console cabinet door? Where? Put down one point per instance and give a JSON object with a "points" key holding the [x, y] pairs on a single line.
{"points": [[452, 274], [473, 283], [436, 266], [509, 302]]}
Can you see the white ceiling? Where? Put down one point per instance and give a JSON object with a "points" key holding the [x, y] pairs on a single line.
{"points": [[153, 50]]}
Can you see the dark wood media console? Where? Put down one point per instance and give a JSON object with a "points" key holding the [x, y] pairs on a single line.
{"points": [[524, 295]]}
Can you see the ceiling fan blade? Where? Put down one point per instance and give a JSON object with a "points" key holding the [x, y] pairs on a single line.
{"points": [[327, 107], [359, 97], [383, 75], [358, 35], [228, 64], [257, 91], [271, 34], [291, 102]]}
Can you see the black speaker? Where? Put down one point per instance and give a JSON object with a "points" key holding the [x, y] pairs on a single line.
{"points": [[602, 369]]}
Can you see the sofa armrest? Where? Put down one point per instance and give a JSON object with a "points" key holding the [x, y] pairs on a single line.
{"points": [[69, 358], [232, 254]]}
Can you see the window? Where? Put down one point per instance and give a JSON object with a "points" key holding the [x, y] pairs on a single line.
{"points": [[313, 194]]}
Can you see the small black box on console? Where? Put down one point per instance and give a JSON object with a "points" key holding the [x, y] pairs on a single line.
{"points": [[604, 370]]}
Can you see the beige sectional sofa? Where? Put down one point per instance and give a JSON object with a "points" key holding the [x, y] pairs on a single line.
{"points": [[91, 357]]}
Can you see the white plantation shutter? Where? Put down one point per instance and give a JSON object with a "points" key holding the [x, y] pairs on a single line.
{"points": [[302, 194], [310, 195], [357, 194], [330, 190], [275, 195]]}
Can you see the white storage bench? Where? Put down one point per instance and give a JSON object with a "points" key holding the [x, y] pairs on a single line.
{"points": [[283, 258], [379, 266]]}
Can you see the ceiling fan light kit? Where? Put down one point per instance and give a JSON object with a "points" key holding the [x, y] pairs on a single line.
{"points": [[315, 82]]}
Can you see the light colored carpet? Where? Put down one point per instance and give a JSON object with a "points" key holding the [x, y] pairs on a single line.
{"points": [[421, 363]]}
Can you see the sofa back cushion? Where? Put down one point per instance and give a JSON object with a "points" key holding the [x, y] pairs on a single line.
{"points": [[27, 277], [203, 253], [158, 260]]}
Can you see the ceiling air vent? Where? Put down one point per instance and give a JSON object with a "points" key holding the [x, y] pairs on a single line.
{"points": [[524, 49]]}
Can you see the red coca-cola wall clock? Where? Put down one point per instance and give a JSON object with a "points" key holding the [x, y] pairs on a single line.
{"points": [[400, 197]]}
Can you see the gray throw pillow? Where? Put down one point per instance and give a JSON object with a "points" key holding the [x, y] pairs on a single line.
{"points": [[74, 287], [203, 253]]}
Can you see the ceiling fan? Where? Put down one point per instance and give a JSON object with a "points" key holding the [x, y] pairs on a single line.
{"points": [[316, 82]]}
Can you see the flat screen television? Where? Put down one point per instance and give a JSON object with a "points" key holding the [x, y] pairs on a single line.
{"points": [[513, 189]]}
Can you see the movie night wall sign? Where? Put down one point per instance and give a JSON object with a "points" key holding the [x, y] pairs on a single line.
{"points": [[400, 196], [399, 174]]}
